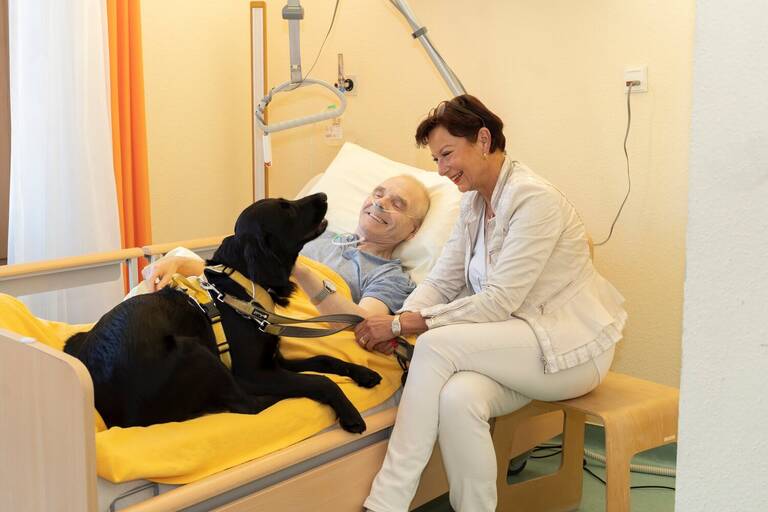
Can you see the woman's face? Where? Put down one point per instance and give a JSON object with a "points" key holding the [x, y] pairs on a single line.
{"points": [[458, 159]]}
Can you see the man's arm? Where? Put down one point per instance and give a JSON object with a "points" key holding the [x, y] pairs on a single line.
{"points": [[336, 303]]}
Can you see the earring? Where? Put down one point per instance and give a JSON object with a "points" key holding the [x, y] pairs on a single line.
{"points": [[485, 156]]}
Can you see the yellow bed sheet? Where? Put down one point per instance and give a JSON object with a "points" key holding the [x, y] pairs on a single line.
{"points": [[183, 452]]}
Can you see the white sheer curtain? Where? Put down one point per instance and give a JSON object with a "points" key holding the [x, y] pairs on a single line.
{"points": [[62, 199]]}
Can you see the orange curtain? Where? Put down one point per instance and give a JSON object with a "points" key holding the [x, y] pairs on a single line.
{"points": [[129, 132]]}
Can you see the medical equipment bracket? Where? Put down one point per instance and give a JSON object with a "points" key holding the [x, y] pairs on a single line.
{"points": [[294, 13]]}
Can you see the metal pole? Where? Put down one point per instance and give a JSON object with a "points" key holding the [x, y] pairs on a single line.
{"points": [[420, 33]]}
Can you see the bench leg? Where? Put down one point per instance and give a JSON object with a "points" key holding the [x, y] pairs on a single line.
{"points": [[560, 491], [617, 477]]}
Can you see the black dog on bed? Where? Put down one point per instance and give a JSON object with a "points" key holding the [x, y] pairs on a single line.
{"points": [[153, 358]]}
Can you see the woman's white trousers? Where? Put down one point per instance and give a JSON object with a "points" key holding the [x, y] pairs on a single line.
{"points": [[461, 376]]}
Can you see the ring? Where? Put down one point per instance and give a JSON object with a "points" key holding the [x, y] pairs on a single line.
{"points": [[363, 339]]}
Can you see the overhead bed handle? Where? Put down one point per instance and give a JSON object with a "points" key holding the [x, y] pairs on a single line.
{"points": [[314, 118]]}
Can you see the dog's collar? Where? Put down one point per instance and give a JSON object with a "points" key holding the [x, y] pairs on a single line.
{"points": [[256, 292]]}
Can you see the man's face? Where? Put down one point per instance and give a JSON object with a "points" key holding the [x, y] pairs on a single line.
{"points": [[389, 214]]}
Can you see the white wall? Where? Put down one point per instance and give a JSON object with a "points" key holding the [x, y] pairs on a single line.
{"points": [[722, 450]]}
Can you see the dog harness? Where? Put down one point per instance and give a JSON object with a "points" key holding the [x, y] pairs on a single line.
{"points": [[261, 309], [192, 287]]}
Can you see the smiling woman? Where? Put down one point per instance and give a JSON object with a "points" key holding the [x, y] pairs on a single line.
{"points": [[513, 310]]}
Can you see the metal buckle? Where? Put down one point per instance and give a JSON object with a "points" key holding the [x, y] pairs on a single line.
{"points": [[256, 313], [210, 310], [208, 286], [263, 323], [403, 352]]}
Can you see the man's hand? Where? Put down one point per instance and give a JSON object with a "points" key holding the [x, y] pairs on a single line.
{"points": [[162, 272], [371, 332], [386, 347], [164, 268]]}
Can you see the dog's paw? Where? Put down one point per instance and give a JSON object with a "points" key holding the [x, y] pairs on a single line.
{"points": [[352, 423], [364, 377]]}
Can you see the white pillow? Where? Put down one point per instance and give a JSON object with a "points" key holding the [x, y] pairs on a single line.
{"points": [[356, 171]]}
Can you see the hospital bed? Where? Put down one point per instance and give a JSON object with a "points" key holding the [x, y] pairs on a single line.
{"points": [[48, 436], [47, 433]]}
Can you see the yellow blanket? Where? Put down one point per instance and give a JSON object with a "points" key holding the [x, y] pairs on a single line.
{"points": [[183, 452]]}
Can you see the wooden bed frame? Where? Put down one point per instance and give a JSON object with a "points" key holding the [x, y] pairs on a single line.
{"points": [[47, 435]]}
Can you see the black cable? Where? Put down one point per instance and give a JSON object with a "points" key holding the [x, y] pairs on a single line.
{"points": [[652, 487], [559, 448], [584, 466], [333, 20], [629, 179], [558, 452], [547, 447], [543, 447]]}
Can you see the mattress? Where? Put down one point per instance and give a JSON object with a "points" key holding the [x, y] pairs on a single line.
{"points": [[113, 497]]}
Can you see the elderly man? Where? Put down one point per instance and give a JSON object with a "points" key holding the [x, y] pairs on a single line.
{"points": [[389, 216]]}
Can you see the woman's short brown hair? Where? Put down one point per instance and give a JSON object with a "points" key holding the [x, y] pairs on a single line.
{"points": [[463, 116]]}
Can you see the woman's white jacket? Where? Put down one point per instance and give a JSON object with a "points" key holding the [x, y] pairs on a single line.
{"points": [[538, 269]]}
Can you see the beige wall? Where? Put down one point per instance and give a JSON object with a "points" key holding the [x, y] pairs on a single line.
{"points": [[196, 72], [552, 70]]}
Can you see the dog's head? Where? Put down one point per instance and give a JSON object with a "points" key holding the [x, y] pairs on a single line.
{"points": [[269, 234]]}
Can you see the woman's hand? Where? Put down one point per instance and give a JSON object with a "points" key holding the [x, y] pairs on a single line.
{"points": [[373, 331]]}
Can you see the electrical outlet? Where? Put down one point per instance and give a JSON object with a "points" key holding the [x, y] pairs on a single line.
{"points": [[639, 74]]}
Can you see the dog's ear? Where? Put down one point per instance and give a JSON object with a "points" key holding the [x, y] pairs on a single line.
{"points": [[230, 252], [267, 265]]}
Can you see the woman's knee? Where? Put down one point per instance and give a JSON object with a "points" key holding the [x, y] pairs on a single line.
{"points": [[464, 396], [427, 345]]}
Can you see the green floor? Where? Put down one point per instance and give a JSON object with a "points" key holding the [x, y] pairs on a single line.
{"points": [[593, 497]]}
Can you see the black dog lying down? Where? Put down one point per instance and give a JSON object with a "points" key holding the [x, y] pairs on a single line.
{"points": [[153, 358]]}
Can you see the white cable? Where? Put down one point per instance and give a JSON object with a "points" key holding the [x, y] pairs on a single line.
{"points": [[637, 468]]}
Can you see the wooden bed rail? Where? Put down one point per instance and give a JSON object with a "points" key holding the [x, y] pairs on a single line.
{"points": [[62, 273], [46, 429], [214, 485], [202, 246]]}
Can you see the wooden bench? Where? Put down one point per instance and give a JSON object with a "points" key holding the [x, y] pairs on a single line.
{"points": [[637, 415]]}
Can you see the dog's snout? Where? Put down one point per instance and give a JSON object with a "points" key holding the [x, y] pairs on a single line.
{"points": [[320, 203]]}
